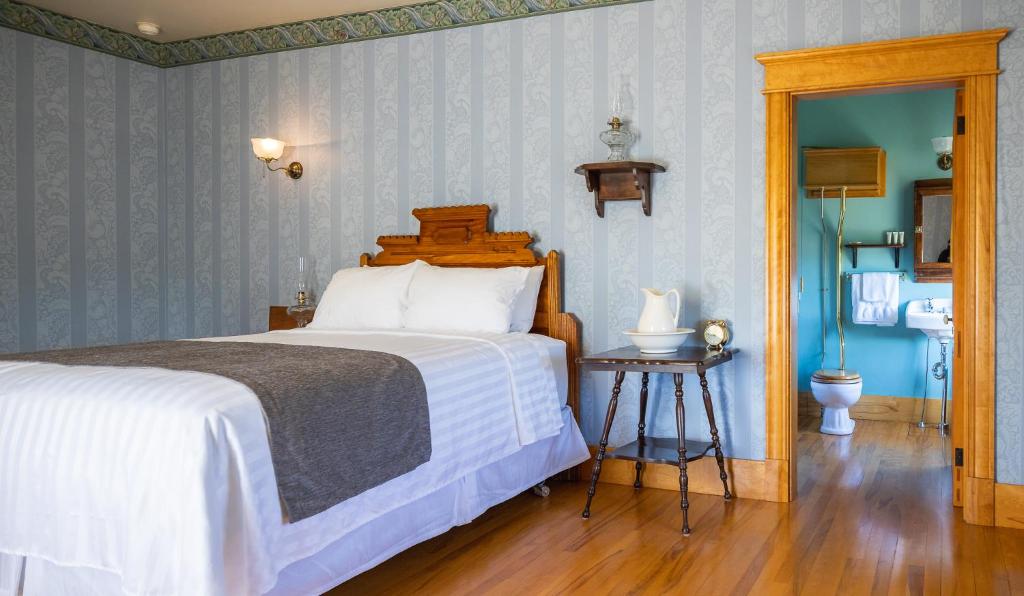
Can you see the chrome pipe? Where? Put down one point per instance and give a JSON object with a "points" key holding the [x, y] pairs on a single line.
{"points": [[941, 370], [927, 376]]}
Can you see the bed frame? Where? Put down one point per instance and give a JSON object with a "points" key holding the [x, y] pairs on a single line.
{"points": [[460, 236]]}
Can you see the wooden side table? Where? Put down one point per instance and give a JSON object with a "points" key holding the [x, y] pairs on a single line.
{"points": [[280, 318], [646, 449]]}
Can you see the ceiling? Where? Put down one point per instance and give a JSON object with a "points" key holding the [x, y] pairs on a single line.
{"points": [[183, 19]]}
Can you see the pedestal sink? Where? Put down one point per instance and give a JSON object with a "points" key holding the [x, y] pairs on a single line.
{"points": [[930, 317], [934, 318]]}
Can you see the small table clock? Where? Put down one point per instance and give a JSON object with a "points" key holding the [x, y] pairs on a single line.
{"points": [[716, 334]]}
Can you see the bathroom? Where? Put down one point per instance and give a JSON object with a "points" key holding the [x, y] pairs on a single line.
{"points": [[897, 166]]}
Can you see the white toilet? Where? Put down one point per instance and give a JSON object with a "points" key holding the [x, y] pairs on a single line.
{"points": [[836, 390]]}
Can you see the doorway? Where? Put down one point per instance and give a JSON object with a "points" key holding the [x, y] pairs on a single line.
{"points": [[968, 61], [874, 198]]}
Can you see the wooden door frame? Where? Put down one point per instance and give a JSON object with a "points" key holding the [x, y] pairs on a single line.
{"points": [[968, 60]]}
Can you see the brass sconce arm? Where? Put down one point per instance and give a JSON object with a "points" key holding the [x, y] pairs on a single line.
{"points": [[292, 170]]}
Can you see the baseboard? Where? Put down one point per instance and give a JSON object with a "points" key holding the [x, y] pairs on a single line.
{"points": [[1009, 506], [881, 407], [748, 479]]}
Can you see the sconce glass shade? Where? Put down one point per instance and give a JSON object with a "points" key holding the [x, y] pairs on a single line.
{"points": [[267, 149], [942, 145]]}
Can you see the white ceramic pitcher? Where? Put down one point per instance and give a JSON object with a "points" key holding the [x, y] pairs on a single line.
{"points": [[657, 316]]}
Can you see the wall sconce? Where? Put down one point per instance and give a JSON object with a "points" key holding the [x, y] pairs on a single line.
{"points": [[268, 150], [943, 147]]}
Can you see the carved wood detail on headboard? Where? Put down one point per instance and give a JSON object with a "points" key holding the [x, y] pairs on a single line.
{"points": [[459, 236]]}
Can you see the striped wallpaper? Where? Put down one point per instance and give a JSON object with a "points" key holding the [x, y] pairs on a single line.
{"points": [[80, 140], [136, 209]]}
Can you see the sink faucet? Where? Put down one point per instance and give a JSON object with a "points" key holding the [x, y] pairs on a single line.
{"points": [[930, 308]]}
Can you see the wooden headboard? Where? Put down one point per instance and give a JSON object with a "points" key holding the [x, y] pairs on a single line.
{"points": [[458, 236]]}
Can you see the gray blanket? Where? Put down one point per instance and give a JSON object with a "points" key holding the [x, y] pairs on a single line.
{"points": [[340, 421]]}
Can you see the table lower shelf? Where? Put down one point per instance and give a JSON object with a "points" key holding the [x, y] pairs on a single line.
{"points": [[660, 450]]}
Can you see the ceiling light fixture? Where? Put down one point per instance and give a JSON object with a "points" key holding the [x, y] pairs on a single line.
{"points": [[148, 28]]}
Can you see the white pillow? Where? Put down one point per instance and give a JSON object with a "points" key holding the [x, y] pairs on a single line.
{"points": [[525, 306], [365, 298], [463, 298]]}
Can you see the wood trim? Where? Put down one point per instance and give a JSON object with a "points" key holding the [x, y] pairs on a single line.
{"points": [[882, 407], [979, 501], [1009, 505], [748, 479], [778, 481], [460, 236], [930, 59], [967, 59], [975, 334], [780, 282], [959, 247]]}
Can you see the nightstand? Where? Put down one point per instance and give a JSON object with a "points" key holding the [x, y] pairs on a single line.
{"points": [[675, 450], [280, 318]]}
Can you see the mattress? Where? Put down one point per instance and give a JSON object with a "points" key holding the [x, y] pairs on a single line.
{"points": [[457, 503], [392, 342], [91, 437]]}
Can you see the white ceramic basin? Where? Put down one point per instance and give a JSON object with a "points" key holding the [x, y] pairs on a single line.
{"points": [[659, 343], [930, 319]]}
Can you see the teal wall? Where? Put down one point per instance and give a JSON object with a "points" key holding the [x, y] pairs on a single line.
{"points": [[890, 359]]}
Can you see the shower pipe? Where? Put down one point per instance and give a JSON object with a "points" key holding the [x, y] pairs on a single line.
{"points": [[823, 272], [839, 278]]}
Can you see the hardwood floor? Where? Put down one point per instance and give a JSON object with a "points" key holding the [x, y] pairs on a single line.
{"points": [[873, 517]]}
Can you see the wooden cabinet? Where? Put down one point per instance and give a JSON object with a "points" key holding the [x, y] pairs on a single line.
{"points": [[860, 169]]}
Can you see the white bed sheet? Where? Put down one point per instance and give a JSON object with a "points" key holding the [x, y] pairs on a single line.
{"points": [[87, 440], [457, 503]]}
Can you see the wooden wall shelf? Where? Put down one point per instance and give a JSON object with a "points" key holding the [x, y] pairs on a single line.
{"points": [[856, 246], [620, 181]]}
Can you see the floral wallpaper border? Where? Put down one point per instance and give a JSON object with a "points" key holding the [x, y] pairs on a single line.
{"points": [[428, 16]]}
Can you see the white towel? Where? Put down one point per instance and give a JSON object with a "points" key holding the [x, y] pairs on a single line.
{"points": [[875, 298]]}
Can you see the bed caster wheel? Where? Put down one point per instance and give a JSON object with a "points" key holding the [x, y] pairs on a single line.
{"points": [[541, 490]]}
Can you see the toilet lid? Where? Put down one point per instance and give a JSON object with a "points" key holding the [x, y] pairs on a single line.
{"points": [[836, 376]]}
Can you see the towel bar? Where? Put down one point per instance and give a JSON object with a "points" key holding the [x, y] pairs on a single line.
{"points": [[902, 274]]}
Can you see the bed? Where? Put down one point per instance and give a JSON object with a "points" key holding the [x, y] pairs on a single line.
{"points": [[102, 492]]}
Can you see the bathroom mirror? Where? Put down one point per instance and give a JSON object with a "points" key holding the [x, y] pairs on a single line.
{"points": [[933, 224]]}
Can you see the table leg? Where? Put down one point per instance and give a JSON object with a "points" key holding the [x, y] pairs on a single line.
{"points": [[684, 502], [641, 425], [714, 435], [603, 445]]}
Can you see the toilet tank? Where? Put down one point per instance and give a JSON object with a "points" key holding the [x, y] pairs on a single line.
{"points": [[860, 169]]}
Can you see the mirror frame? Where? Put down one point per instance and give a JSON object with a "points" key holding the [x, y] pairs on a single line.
{"points": [[929, 272]]}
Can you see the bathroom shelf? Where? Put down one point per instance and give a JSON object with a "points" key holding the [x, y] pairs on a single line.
{"points": [[856, 246]]}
